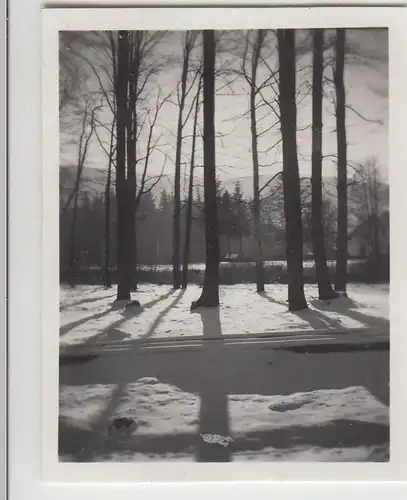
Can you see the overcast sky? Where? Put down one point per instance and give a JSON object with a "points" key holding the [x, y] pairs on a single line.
{"points": [[366, 83]]}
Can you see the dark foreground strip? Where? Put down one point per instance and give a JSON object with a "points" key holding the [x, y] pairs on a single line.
{"points": [[76, 359], [86, 446], [325, 348], [329, 347]]}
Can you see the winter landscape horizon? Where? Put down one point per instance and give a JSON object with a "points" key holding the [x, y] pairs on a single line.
{"points": [[224, 246]]}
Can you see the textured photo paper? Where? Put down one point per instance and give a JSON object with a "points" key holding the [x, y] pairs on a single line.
{"points": [[218, 181]]}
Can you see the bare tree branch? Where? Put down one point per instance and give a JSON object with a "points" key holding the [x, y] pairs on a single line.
{"points": [[369, 120], [82, 153], [270, 181]]}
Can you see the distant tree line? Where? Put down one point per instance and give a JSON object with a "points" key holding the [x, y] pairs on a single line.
{"points": [[154, 222], [369, 224]]}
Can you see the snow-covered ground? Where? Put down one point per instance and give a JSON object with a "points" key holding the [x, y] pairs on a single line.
{"points": [[88, 313], [320, 425], [279, 406]]}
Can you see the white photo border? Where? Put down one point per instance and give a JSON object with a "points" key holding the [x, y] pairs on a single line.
{"points": [[34, 287], [177, 19]]}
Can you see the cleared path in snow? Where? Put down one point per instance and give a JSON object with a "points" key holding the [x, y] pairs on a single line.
{"points": [[321, 341]]}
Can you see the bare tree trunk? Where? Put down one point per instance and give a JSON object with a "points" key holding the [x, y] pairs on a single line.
{"points": [[106, 263], [132, 236], [82, 153], [324, 286], [342, 235], [376, 219], [187, 243], [241, 247], [210, 292], [177, 179], [131, 157], [255, 156], [73, 264], [291, 179], [123, 257], [132, 232]]}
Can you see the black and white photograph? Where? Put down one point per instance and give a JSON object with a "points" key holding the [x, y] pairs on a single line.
{"points": [[224, 245]]}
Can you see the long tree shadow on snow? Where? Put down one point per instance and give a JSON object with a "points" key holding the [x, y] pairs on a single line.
{"points": [[127, 313], [318, 321], [85, 301], [70, 326], [213, 413], [342, 305], [268, 297], [349, 308], [315, 319], [103, 419]]}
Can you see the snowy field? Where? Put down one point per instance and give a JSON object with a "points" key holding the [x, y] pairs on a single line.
{"points": [[281, 406], [88, 313]]}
